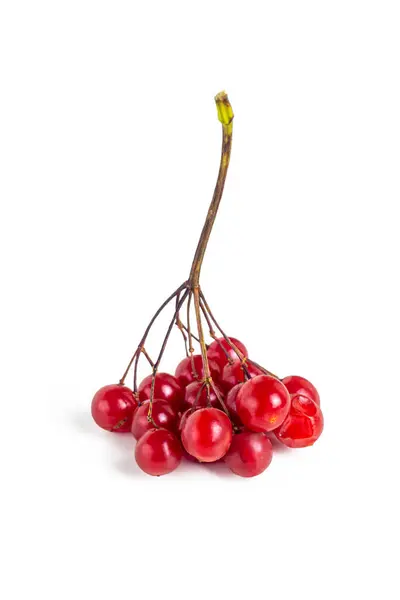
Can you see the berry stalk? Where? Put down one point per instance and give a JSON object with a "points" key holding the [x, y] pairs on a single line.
{"points": [[190, 290], [225, 115]]}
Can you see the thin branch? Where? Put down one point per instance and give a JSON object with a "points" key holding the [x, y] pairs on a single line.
{"points": [[201, 388], [189, 330], [220, 399], [206, 366], [142, 341], [192, 334], [212, 332], [239, 354], [143, 349], [252, 362], [180, 326], [164, 345]]}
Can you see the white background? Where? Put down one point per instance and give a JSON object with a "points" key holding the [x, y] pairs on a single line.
{"points": [[109, 148]]}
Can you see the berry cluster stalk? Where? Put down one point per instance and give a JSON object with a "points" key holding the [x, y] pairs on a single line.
{"points": [[191, 290]]}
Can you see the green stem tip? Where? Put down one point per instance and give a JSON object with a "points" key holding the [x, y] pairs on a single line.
{"points": [[224, 109]]}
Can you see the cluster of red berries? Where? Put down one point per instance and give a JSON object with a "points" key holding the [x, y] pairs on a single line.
{"points": [[228, 421], [219, 404]]}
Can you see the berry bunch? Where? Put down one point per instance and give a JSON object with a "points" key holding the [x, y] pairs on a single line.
{"points": [[220, 404]]}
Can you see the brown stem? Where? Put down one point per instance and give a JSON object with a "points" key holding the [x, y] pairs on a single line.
{"points": [[144, 351], [192, 334], [137, 353], [161, 353], [189, 330], [206, 367], [225, 115], [222, 403], [239, 354], [181, 327], [252, 362]]}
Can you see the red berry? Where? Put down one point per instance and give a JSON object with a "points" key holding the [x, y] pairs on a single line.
{"points": [[216, 350], [250, 454], [263, 403], [113, 407], [167, 387], [298, 386], [207, 434], [303, 425], [158, 452], [234, 374], [186, 374], [230, 402], [183, 418], [163, 416], [182, 421], [194, 398]]}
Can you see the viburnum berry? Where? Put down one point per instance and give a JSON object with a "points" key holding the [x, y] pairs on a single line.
{"points": [[250, 454], [191, 369], [167, 387], [299, 386], [158, 452], [230, 402], [220, 350], [303, 425], [263, 403], [196, 396], [113, 407], [163, 415], [183, 418], [235, 373], [207, 434]]}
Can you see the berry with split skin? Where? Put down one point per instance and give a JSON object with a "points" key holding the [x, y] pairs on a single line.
{"points": [[263, 403], [207, 434], [191, 369], [220, 351], [113, 407], [158, 452], [167, 387], [163, 415], [299, 386], [303, 425], [196, 396], [235, 373], [250, 454]]}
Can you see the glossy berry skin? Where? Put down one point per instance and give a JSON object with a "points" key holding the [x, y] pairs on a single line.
{"points": [[183, 418], [158, 452], [163, 416], [167, 387], [263, 403], [194, 400], [233, 374], [216, 350], [298, 386], [230, 402], [207, 434], [250, 454], [185, 374], [113, 407], [303, 425], [181, 425]]}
